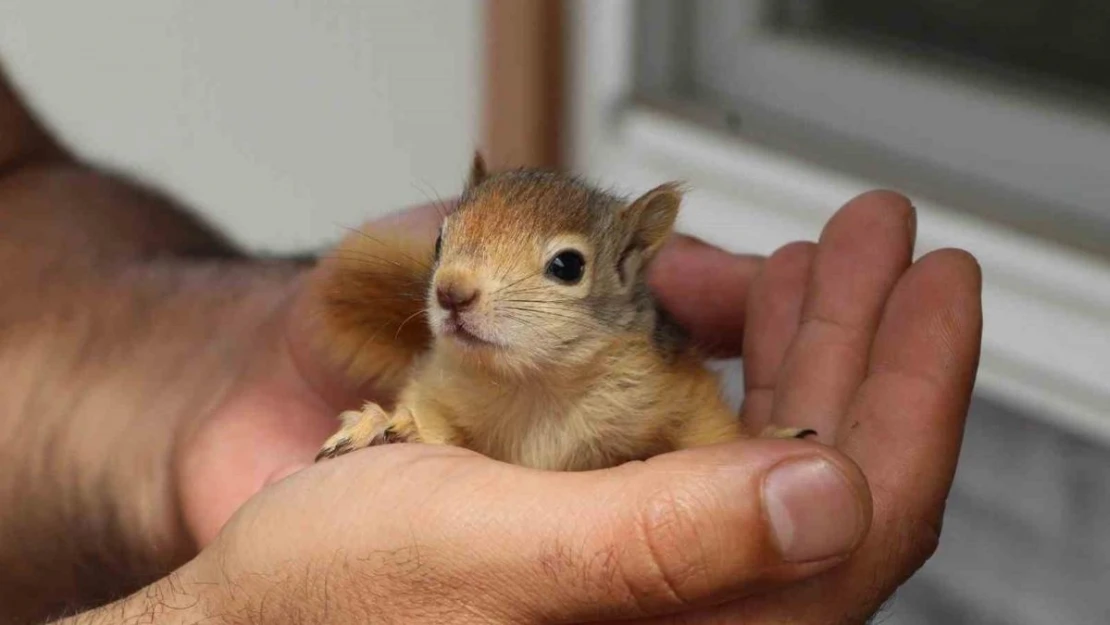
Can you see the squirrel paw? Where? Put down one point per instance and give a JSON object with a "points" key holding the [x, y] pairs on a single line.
{"points": [[368, 427], [774, 432]]}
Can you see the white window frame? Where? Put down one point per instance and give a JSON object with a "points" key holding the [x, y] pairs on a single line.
{"points": [[961, 122], [1046, 339]]}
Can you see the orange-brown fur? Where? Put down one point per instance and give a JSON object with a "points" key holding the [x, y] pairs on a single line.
{"points": [[566, 375], [373, 301]]}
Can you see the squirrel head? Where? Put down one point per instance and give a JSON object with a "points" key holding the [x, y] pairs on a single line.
{"points": [[536, 269]]}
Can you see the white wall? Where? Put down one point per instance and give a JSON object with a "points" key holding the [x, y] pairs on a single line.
{"points": [[283, 120]]}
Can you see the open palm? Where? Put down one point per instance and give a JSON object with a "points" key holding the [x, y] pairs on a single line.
{"points": [[848, 336]]}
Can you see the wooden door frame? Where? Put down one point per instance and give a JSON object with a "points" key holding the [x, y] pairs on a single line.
{"points": [[524, 93]]}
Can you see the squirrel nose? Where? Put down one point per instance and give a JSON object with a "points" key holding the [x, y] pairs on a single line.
{"points": [[456, 298]]}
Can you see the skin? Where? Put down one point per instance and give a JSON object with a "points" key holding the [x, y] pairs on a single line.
{"points": [[166, 409]]}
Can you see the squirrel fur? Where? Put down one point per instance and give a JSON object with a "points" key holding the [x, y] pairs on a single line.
{"points": [[526, 332]]}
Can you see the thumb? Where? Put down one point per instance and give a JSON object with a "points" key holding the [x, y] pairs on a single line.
{"points": [[686, 529]]}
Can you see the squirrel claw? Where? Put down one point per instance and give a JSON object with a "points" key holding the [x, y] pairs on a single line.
{"points": [[365, 428], [799, 433], [334, 449]]}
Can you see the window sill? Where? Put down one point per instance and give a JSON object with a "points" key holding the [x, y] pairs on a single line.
{"points": [[1046, 343]]}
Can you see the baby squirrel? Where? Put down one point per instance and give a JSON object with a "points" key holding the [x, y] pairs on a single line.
{"points": [[542, 344]]}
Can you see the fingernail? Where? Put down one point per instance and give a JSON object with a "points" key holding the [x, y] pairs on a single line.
{"points": [[813, 510]]}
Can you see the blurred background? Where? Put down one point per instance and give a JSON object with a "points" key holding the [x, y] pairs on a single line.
{"points": [[281, 120], [285, 121]]}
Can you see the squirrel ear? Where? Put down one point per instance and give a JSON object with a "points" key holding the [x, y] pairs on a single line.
{"points": [[652, 216], [478, 170]]}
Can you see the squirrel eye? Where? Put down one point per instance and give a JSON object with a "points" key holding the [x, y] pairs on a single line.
{"points": [[439, 246], [567, 267]]}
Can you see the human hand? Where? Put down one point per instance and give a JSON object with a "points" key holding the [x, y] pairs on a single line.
{"points": [[878, 354], [845, 336], [280, 413]]}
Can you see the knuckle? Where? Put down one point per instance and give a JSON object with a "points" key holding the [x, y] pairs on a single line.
{"points": [[670, 561], [828, 327]]}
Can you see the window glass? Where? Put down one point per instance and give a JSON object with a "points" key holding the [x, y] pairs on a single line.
{"points": [[1058, 40]]}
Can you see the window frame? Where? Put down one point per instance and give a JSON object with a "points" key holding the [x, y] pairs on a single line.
{"points": [[1046, 338], [975, 136]]}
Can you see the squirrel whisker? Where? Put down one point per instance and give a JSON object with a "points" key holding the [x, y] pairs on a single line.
{"points": [[588, 372], [380, 242]]}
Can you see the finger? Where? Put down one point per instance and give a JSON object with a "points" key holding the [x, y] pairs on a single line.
{"points": [[907, 422], [905, 433], [692, 528], [774, 311], [863, 250], [706, 290]]}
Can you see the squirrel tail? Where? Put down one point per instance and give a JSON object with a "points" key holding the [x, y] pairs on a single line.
{"points": [[373, 300]]}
